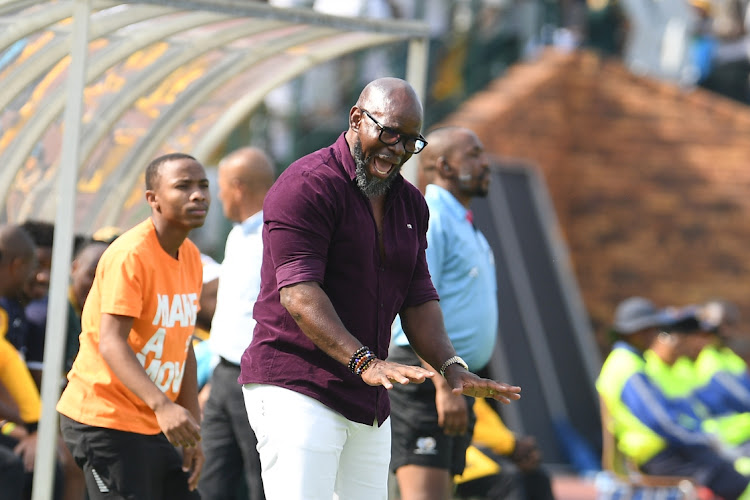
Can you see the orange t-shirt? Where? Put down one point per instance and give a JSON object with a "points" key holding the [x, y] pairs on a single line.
{"points": [[137, 278]]}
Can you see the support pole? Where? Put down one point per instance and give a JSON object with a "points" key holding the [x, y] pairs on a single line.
{"points": [[62, 248], [416, 75]]}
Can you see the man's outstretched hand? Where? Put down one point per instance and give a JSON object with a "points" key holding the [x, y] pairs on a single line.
{"points": [[382, 372], [464, 382]]}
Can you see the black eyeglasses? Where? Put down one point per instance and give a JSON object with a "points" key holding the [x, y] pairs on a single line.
{"points": [[389, 136]]}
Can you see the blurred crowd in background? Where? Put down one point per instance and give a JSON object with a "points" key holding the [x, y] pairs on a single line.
{"points": [[692, 42], [472, 42]]}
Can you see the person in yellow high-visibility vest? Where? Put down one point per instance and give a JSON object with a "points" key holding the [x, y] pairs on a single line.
{"points": [[697, 367], [659, 435]]}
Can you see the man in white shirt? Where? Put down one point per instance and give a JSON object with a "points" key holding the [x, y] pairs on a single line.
{"points": [[228, 440]]}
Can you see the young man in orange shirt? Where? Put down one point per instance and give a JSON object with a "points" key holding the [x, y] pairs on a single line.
{"points": [[131, 398]]}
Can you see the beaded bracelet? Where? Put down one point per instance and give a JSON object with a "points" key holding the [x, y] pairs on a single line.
{"points": [[360, 360], [366, 364], [358, 354]]}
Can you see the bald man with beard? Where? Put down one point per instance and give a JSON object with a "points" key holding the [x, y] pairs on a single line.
{"points": [[245, 176], [344, 241], [432, 425]]}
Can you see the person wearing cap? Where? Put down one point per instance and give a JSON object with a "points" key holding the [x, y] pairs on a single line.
{"points": [[670, 364], [660, 436], [722, 376], [717, 377], [670, 358]]}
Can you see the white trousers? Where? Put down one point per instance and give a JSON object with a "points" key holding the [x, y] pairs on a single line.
{"points": [[310, 452]]}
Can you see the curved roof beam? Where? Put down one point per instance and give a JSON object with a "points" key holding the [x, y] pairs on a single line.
{"points": [[28, 24], [229, 68], [210, 141], [96, 131], [259, 10], [107, 58], [403, 29], [12, 6], [34, 130], [41, 62]]}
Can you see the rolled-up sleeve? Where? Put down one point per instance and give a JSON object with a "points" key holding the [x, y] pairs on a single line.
{"points": [[299, 221]]}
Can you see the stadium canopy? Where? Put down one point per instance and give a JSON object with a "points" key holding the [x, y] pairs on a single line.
{"points": [[160, 76], [92, 90]]}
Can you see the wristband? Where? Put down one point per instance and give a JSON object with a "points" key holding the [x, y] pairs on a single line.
{"points": [[7, 428], [452, 361], [356, 357], [360, 360]]}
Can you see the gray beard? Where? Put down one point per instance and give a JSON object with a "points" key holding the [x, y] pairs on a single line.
{"points": [[372, 187]]}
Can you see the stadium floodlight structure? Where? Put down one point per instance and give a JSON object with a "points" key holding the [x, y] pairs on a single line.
{"points": [[93, 89]]}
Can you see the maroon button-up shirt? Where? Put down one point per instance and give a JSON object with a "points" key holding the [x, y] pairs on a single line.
{"points": [[318, 226]]}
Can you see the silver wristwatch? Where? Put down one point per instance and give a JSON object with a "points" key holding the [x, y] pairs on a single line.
{"points": [[452, 361]]}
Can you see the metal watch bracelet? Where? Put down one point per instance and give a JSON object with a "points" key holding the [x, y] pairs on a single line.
{"points": [[452, 361]]}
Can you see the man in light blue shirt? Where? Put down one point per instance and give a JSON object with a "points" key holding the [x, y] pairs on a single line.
{"points": [[431, 426], [228, 440]]}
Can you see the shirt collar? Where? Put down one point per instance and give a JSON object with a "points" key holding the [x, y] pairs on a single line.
{"points": [[252, 223], [621, 344], [447, 200], [344, 155]]}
